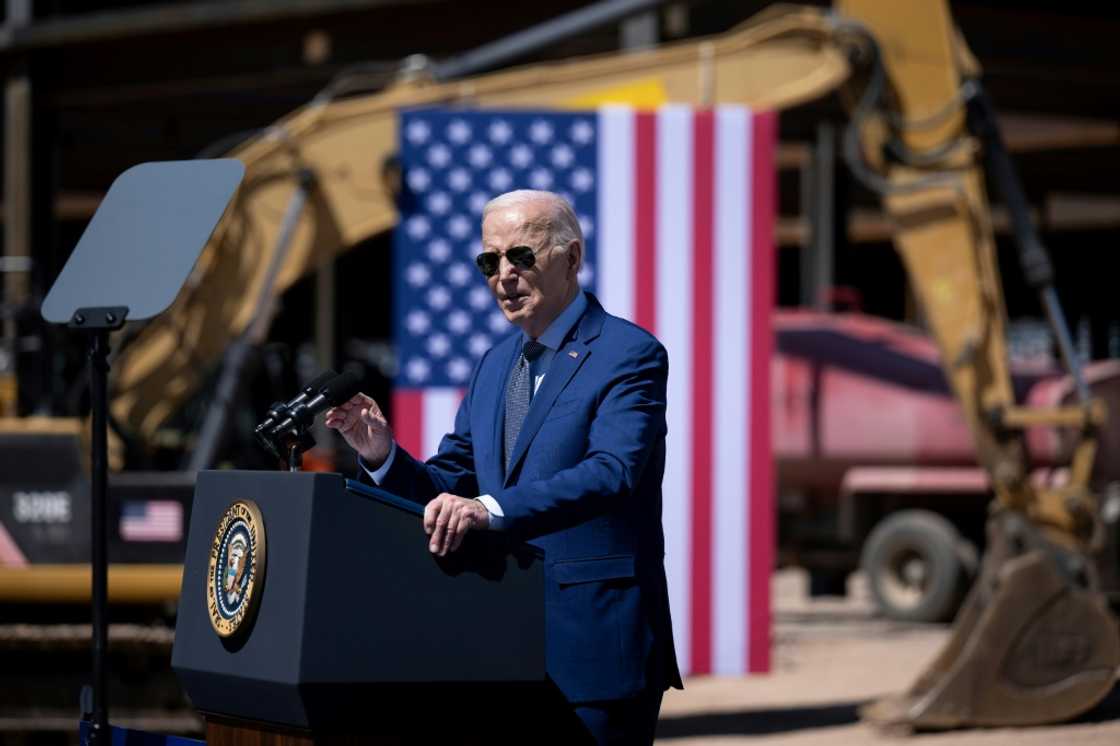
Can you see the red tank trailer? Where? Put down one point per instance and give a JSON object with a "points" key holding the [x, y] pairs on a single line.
{"points": [[876, 467]]}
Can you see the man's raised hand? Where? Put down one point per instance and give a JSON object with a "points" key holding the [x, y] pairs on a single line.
{"points": [[362, 425]]}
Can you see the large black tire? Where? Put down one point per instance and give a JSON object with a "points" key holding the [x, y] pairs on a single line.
{"points": [[917, 566]]}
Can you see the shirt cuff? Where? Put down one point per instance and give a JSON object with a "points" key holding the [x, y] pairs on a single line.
{"points": [[378, 475], [495, 510]]}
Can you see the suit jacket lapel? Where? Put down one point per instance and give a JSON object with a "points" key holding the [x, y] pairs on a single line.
{"points": [[567, 361]]}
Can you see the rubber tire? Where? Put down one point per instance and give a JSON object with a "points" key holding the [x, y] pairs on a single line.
{"points": [[944, 552]]}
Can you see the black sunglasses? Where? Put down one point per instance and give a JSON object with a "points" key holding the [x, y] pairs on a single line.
{"points": [[522, 257]]}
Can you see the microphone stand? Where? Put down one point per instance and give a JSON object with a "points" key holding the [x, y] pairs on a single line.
{"points": [[291, 444]]}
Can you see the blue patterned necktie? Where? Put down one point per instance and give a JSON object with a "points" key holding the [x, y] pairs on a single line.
{"points": [[519, 391]]}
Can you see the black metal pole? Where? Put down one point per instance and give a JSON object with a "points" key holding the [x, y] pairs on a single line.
{"points": [[98, 378]]}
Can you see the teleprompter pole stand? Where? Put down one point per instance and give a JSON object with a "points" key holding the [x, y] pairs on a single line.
{"points": [[97, 323]]}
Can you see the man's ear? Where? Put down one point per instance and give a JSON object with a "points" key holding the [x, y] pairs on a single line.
{"points": [[575, 254]]}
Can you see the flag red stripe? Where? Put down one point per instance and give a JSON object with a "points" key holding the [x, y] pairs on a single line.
{"points": [[703, 220], [760, 478], [645, 220], [408, 420]]}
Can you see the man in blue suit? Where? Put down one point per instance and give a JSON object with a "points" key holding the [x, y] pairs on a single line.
{"points": [[559, 440]]}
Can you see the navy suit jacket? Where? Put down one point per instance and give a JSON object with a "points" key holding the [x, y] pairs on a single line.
{"points": [[584, 485]]}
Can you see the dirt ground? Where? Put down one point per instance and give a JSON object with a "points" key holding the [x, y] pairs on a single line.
{"points": [[830, 656]]}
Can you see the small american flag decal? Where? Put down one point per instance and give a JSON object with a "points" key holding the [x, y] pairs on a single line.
{"points": [[151, 520]]}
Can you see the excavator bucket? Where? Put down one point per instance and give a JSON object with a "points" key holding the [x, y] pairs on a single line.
{"points": [[1034, 643]]}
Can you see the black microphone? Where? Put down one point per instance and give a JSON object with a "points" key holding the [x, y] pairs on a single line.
{"points": [[337, 391], [279, 410]]}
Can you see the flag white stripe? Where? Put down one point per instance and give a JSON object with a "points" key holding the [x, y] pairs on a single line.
{"points": [[674, 201], [731, 255], [753, 367], [615, 272], [440, 405]]}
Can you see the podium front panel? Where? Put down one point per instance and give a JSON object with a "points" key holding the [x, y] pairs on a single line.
{"points": [[477, 617], [256, 673], [352, 603]]}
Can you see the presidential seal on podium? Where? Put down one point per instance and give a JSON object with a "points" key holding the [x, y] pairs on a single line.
{"points": [[237, 567]]}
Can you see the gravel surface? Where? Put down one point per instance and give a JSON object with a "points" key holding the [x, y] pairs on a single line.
{"points": [[830, 656]]}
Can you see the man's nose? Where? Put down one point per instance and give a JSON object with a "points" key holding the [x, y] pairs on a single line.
{"points": [[506, 270]]}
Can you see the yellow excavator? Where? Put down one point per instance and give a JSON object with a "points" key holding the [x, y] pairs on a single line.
{"points": [[1035, 641]]}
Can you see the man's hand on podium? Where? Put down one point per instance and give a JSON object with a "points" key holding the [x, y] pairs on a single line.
{"points": [[448, 518], [362, 425]]}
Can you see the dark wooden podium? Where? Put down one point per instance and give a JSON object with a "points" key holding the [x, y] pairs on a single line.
{"points": [[361, 635]]}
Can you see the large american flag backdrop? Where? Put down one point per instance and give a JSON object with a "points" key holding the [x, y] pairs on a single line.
{"points": [[677, 208]]}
